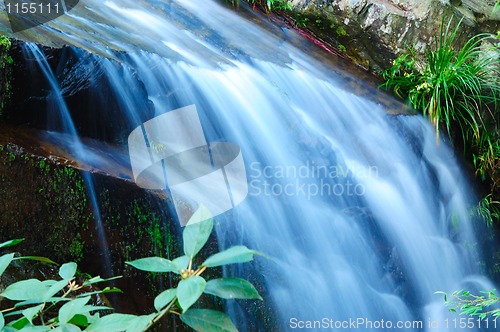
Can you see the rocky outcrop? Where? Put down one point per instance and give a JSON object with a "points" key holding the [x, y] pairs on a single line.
{"points": [[374, 32]]}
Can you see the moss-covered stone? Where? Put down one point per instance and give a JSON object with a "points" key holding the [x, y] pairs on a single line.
{"points": [[5, 72]]}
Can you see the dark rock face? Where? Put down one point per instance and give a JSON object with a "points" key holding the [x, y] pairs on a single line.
{"points": [[5, 72], [373, 32]]}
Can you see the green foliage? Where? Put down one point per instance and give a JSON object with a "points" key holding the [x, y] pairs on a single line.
{"points": [[192, 285], [6, 62], [453, 86], [465, 303], [65, 304], [49, 304], [488, 210], [497, 7], [269, 5], [458, 89]]}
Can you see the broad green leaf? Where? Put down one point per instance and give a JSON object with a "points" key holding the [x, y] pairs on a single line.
{"points": [[2, 321], [164, 298], [67, 271], [153, 264], [5, 260], [196, 233], [10, 243], [202, 214], [181, 263], [120, 322], [31, 289], [54, 289], [66, 328], [237, 254], [70, 309], [189, 291], [208, 320], [33, 328], [232, 288], [30, 313], [36, 258], [98, 279]]}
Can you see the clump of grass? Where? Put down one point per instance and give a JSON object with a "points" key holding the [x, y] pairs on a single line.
{"points": [[452, 87], [458, 89]]}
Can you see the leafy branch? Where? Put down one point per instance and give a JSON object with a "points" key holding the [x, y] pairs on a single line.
{"points": [[63, 305], [466, 303]]}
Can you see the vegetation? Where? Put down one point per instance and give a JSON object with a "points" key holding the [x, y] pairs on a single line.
{"points": [[5, 71], [269, 5], [460, 91], [469, 304], [66, 304]]}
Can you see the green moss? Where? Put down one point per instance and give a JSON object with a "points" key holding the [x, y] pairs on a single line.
{"points": [[341, 31], [6, 62], [51, 204]]}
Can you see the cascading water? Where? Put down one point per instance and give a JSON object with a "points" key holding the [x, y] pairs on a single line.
{"points": [[57, 105], [363, 215]]}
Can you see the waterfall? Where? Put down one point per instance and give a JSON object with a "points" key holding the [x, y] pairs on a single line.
{"points": [[363, 215], [57, 105]]}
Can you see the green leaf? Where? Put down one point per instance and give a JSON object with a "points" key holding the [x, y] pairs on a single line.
{"points": [[66, 328], [197, 231], [10, 243], [36, 258], [153, 264], [72, 308], [20, 323], [208, 320], [54, 289], [2, 321], [102, 291], [98, 279], [33, 328], [237, 254], [189, 291], [164, 298], [5, 260], [67, 271], [30, 313], [202, 214], [181, 263], [39, 300], [80, 320], [30, 289], [232, 288], [120, 322]]}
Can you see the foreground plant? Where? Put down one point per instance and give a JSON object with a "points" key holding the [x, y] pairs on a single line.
{"points": [[49, 305], [179, 300], [65, 304], [465, 303]]}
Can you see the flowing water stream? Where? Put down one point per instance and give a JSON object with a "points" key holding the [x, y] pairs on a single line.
{"points": [[363, 214]]}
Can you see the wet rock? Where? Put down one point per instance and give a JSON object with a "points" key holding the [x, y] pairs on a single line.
{"points": [[374, 32]]}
